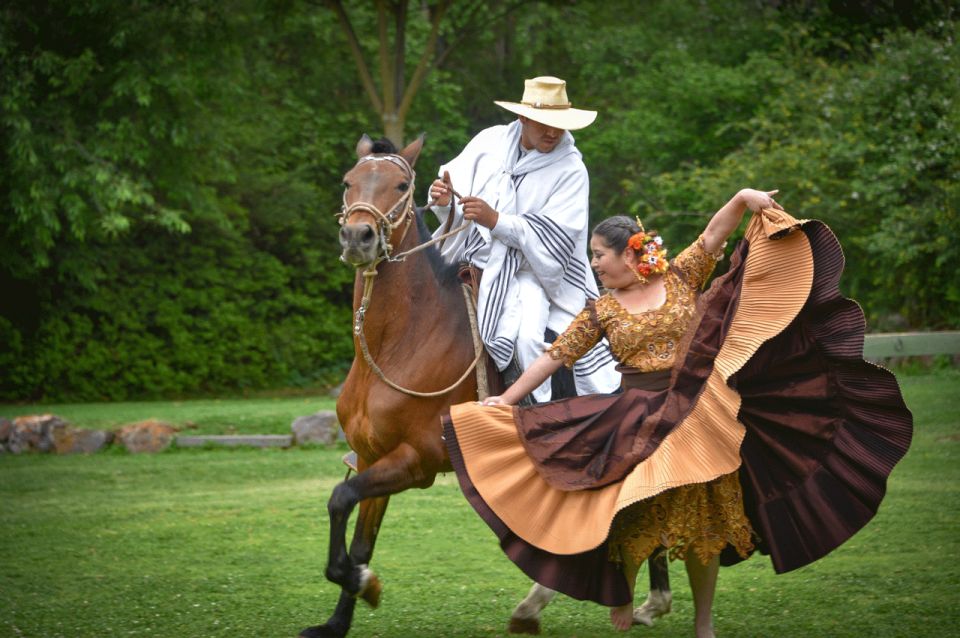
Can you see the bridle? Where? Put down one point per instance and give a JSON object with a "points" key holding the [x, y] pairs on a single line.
{"points": [[387, 223]]}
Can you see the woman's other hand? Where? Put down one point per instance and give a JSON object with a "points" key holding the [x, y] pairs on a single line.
{"points": [[758, 200], [497, 400]]}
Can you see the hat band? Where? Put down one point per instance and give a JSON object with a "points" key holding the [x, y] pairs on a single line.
{"points": [[541, 105]]}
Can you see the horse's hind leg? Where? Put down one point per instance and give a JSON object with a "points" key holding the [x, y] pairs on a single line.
{"points": [[526, 617], [659, 599]]}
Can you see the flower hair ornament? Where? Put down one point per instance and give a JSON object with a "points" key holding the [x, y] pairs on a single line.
{"points": [[653, 256]]}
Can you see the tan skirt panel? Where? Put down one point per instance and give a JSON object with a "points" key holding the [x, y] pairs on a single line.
{"points": [[705, 446]]}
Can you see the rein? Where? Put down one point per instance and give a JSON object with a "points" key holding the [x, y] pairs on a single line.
{"points": [[391, 220], [368, 276]]}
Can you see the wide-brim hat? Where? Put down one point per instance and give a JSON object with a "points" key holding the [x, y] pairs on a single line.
{"points": [[545, 101]]}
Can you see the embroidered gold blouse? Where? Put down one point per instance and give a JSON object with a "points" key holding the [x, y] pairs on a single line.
{"points": [[647, 341]]}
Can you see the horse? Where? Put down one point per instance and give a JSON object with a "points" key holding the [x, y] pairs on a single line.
{"points": [[411, 323]]}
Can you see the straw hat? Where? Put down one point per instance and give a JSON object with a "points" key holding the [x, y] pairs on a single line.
{"points": [[545, 101]]}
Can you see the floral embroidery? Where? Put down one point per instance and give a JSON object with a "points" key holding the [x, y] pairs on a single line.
{"points": [[648, 340], [703, 517]]}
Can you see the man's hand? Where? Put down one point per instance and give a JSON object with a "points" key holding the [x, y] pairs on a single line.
{"points": [[475, 209], [440, 190]]}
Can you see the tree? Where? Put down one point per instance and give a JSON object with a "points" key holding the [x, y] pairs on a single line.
{"points": [[396, 94]]}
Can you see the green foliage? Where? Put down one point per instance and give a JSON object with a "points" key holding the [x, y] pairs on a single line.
{"points": [[182, 318], [169, 171], [869, 147], [171, 188]]}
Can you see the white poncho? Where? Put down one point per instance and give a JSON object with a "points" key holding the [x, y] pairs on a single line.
{"points": [[534, 261]]}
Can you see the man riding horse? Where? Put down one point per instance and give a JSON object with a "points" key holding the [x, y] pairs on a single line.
{"points": [[528, 200]]}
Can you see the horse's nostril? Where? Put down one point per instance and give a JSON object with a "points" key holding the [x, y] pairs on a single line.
{"points": [[358, 235]]}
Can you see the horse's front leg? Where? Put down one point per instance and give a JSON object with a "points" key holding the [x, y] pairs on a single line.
{"points": [[361, 551], [371, 487]]}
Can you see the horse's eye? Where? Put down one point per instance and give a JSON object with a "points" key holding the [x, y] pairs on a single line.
{"points": [[403, 187]]}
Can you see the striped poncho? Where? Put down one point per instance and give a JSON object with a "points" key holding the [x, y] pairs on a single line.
{"points": [[534, 261]]}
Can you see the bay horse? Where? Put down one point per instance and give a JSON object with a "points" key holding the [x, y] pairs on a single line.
{"points": [[415, 328], [412, 324]]}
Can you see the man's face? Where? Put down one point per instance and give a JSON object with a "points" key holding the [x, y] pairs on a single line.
{"points": [[539, 136]]}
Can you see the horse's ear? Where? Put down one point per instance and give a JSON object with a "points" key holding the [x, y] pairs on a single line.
{"points": [[364, 146], [412, 151]]}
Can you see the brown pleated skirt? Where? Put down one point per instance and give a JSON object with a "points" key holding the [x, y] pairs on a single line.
{"points": [[771, 389]]}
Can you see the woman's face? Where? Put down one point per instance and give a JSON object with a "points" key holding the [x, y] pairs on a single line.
{"points": [[614, 270]]}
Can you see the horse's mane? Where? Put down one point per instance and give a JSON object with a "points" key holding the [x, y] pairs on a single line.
{"points": [[445, 273], [383, 145]]}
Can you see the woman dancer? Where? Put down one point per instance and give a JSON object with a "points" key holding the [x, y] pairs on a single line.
{"points": [[581, 491]]}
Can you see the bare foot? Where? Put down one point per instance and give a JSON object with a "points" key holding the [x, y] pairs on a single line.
{"points": [[622, 617]]}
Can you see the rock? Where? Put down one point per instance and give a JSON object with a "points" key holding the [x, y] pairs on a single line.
{"points": [[34, 433], [73, 441], [146, 436], [90, 441], [6, 427], [321, 427]]}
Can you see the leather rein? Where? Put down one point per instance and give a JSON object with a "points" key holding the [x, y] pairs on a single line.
{"points": [[400, 214]]}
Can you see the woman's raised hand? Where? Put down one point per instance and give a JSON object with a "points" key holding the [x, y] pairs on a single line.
{"points": [[758, 200]]}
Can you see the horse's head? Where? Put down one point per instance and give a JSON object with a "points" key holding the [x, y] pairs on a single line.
{"points": [[377, 200]]}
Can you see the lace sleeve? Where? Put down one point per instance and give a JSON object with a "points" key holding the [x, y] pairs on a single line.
{"points": [[582, 334], [695, 263]]}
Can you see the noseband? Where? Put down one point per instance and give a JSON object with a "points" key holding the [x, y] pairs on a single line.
{"points": [[401, 213]]}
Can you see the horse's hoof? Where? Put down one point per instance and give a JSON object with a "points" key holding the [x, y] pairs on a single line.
{"points": [[370, 587], [656, 605], [370, 594], [321, 631], [524, 626]]}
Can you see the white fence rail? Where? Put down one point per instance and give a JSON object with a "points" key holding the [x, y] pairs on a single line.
{"points": [[908, 344]]}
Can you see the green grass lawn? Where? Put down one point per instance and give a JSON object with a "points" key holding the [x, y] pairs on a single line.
{"points": [[196, 543]]}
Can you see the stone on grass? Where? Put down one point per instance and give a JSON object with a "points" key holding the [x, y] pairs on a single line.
{"points": [[321, 428], [146, 436], [34, 433], [6, 427], [73, 441]]}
